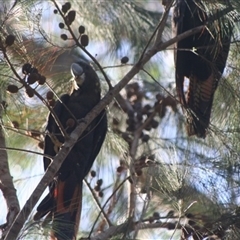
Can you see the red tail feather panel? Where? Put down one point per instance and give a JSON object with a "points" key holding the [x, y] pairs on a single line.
{"points": [[201, 58], [67, 212], [199, 101]]}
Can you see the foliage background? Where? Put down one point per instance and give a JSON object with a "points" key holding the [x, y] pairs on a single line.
{"points": [[182, 175]]}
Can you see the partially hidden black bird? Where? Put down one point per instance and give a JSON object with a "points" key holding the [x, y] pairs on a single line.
{"points": [[63, 203], [201, 58]]}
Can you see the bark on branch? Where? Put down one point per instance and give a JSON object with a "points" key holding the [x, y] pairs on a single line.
{"points": [[6, 186]]}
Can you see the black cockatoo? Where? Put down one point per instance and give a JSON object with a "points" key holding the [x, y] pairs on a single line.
{"points": [[201, 58], [63, 203]]}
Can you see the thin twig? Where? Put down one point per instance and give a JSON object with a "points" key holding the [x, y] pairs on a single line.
{"points": [[98, 203], [151, 76], [83, 48], [104, 205], [27, 151], [158, 30], [163, 22], [64, 133]]}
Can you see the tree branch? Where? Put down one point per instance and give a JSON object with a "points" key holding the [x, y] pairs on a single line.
{"points": [[6, 185], [128, 227]]}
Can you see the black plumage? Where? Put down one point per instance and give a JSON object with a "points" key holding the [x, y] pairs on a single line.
{"points": [[63, 202], [201, 58]]}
